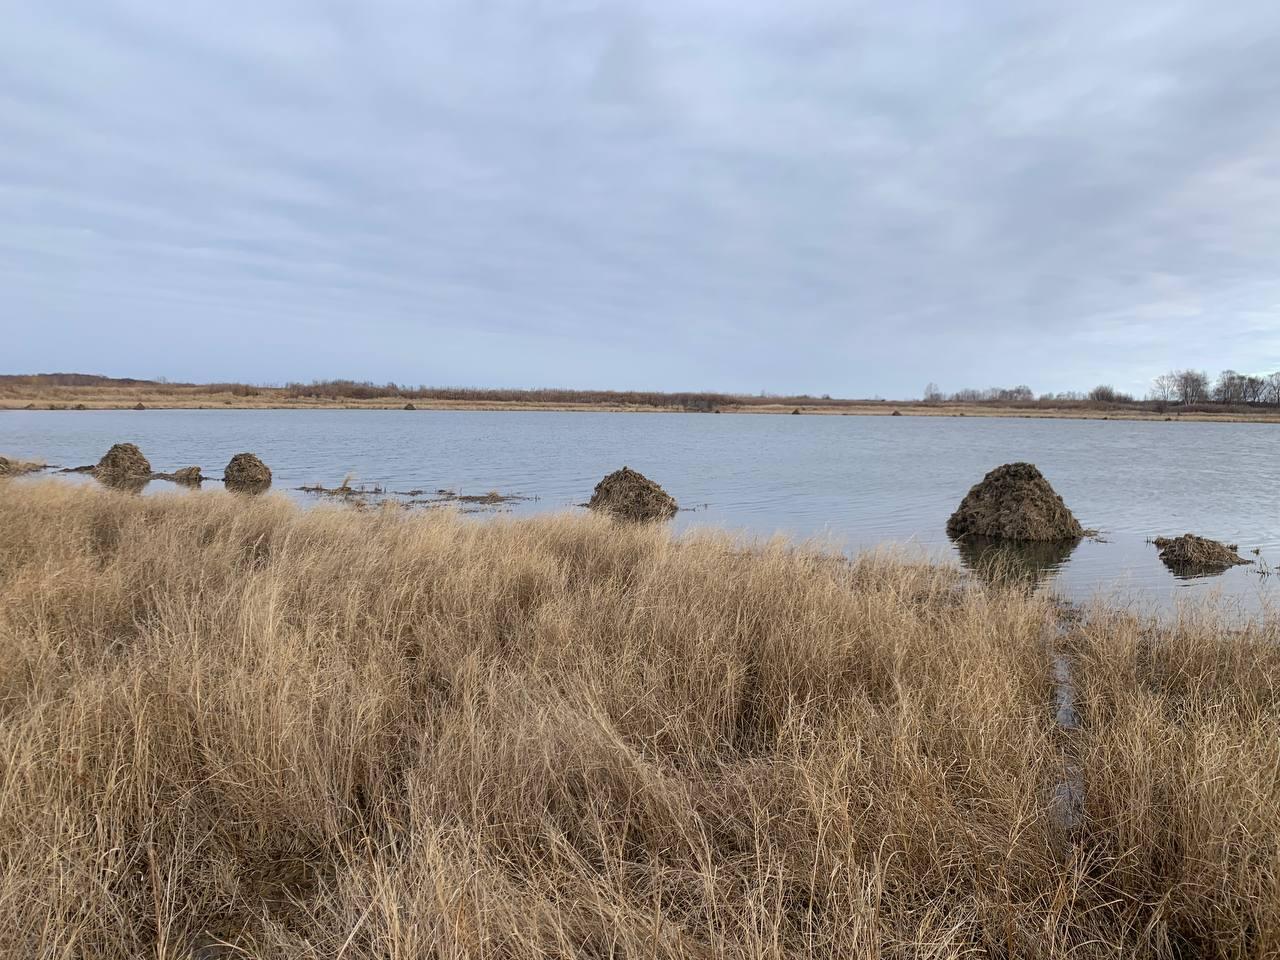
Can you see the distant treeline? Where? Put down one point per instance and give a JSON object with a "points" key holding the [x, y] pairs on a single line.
{"points": [[1182, 388], [354, 390], [68, 380], [338, 390], [683, 400], [1186, 389]]}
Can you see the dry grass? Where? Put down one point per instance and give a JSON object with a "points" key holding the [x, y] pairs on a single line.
{"points": [[393, 735]]}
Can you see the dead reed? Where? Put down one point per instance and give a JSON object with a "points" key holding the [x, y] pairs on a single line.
{"points": [[384, 734]]}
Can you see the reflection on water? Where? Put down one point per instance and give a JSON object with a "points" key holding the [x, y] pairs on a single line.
{"points": [[1027, 562], [187, 477], [252, 489], [1195, 571], [127, 484]]}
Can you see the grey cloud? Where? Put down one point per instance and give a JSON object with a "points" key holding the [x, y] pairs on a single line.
{"points": [[816, 196]]}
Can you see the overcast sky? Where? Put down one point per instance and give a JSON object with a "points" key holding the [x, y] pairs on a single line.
{"points": [[853, 198]]}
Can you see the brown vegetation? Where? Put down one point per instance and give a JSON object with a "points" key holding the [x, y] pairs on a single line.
{"points": [[1014, 502], [94, 392], [627, 494], [362, 497], [114, 391], [246, 473], [124, 461], [385, 734], [11, 467], [186, 475], [1191, 551]]}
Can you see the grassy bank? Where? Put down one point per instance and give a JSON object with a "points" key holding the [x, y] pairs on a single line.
{"points": [[326, 733], [97, 393]]}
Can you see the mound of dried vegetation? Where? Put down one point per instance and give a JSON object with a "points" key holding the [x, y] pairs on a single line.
{"points": [[1014, 502], [246, 473], [627, 494], [124, 461], [10, 467], [1191, 551], [389, 734]]}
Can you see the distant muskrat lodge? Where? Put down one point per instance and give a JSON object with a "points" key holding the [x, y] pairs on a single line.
{"points": [[628, 495]]}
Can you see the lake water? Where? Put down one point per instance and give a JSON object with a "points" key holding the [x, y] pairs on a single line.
{"points": [[859, 481]]}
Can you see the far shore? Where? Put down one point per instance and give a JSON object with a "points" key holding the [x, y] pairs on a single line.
{"points": [[81, 399]]}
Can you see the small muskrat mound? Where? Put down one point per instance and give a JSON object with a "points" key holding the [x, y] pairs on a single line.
{"points": [[1014, 502], [1190, 551], [247, 473], [628, 495], [188, 475], [410, 406], [139, 406], [16, 468], [124, 461]]}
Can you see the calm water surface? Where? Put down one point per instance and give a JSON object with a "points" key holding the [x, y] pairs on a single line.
{"points": [[859, 481]]}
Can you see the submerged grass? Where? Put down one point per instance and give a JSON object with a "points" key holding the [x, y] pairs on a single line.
{"points": [[389, 734]]}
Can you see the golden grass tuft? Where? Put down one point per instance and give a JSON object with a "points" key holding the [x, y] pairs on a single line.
{"points": [[323, 733]]}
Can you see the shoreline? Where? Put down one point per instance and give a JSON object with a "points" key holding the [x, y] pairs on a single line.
{"points": [[74, 400]]}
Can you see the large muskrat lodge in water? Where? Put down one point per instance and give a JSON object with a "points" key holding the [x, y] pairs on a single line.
{"points": [[1190, 551], [1014, 502], [247, 473], [628, 495], [124, 461]]}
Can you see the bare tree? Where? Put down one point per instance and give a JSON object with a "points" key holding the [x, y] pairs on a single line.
{"points": [[1271, 389], [932, 394], [1019, 394], [1228, 388], [1253, 389], [1012, 394], [1192, 386], [1235, 387], [1103, 393], [1164, 387]]}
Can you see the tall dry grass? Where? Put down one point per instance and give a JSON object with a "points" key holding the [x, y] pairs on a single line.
{"points": [[335, 734]]}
